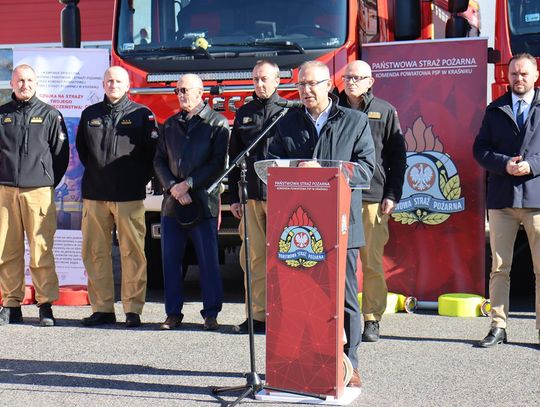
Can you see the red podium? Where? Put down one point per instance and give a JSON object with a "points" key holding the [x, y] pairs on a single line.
{"points": [[308, 219]]}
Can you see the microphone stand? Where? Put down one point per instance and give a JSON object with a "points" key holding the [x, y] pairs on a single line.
{"points": [[253, 384]]}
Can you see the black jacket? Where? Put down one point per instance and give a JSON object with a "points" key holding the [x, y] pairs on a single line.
{"points": [[34, 146], [250, 120], [390, 150], [116, 144], [345, 136], [499, 139], [195, 148]]}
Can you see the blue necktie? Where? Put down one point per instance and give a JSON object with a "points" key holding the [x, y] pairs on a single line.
{"points": [[520, 119]]}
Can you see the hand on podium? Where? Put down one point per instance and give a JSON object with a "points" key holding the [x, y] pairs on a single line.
{"points": [[309, 164]]}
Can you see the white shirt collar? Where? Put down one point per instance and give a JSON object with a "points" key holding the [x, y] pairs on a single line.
{"points": [[323, 117]]}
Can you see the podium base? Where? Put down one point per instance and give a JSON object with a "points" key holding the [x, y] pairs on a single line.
{"points": [[349, 395]]}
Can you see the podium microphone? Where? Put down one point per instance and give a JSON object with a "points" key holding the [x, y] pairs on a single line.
{"points": [[289, 103]]}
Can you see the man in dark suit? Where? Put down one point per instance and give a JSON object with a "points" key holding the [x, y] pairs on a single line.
{"points": [[191, 154], [324, 130], [508, 147]]}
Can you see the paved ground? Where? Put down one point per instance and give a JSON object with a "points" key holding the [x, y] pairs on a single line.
{"points": [[423, 360]]}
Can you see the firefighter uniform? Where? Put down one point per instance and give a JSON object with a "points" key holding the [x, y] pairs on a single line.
{"points": [[34, 152], [116, 144]]}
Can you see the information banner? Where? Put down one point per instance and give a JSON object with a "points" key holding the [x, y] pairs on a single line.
{"points": [[437, 232], [69, 79]]}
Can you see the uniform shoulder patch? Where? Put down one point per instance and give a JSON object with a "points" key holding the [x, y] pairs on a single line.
{"points": [[374, 115]]}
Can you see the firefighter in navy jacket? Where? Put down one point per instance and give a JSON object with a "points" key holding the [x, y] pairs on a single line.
{"points": [[116, 142], [34, 153]]}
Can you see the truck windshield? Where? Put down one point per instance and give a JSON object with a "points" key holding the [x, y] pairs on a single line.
{"points": [[524, 22], [228, 28]]}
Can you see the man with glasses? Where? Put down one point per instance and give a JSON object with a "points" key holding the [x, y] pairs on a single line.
{"points": [[191, 154], [250, 120], [116, 141], [384, 193], [324, 130]]}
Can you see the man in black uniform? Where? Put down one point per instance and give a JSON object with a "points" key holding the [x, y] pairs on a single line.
{"points": [[385, 190], [116, 142], [250, 120], [34, 152]]}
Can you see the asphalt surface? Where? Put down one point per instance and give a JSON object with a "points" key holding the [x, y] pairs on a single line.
{"points": [[423, 359]]}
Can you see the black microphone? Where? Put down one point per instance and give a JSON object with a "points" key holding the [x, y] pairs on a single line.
{"points": [[289, 103]]}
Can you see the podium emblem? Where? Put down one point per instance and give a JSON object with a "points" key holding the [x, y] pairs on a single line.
{"points": [[300, 243]]}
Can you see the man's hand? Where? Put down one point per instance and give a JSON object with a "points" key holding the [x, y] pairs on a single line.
{"points": [[387, 206], [517, 167], [185, 199], [236, 210], [179, 190], [309, 164]]}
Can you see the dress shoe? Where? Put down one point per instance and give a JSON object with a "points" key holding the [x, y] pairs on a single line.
{"points": [[133, 320], [259, 327], [210, 324], [10, 315], [371, 331], [172, 322], [46, 317], [99, 318], [494, 337], [356, 379]]}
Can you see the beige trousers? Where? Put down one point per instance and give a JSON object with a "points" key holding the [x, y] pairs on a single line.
{"points": [[29, 210], [98, 220], [374, 289], [503, 228], [256, 217]]}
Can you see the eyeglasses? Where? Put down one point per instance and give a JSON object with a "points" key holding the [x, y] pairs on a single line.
{"points": [[183, 91], [354, 78], [311, 84]]}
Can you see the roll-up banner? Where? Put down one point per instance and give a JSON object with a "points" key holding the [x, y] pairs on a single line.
{"points": [[437, 232], [69, 79]]}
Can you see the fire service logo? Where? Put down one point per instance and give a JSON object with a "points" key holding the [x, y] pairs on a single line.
{"points": [[431, 189], [300, 243]]}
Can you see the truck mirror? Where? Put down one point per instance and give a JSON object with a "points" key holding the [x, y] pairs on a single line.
{"points": [[457, 27], [458, 6], [407, 20], [70, 21]]}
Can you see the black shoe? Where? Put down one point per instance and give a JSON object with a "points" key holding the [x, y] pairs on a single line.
{"points": [[259, 327], [99, 318], [46, 317], [371, 331], [494, 337], [132, 320], [10, 315]]}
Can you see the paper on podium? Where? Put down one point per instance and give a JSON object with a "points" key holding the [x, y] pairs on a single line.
{"points": [[355, 174]]}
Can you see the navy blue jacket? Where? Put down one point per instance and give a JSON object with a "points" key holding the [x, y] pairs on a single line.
{"points": [[499, 139], [345, 136]]}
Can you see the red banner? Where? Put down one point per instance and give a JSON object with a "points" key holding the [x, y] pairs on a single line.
{"points": [[307, 243], [437, 233]]}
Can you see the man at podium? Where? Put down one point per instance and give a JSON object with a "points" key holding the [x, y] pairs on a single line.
{"points": [[323, 130]]}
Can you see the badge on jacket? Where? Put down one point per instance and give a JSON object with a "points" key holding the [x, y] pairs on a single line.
{"points": [[126, 122], [95, 123], [7, 120], [247, 120], [36, 120], [374, 115]]}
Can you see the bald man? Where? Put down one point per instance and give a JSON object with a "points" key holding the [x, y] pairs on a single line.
{"points": [[116, 142], [385, 190], [34, 151], [191, 155]]}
